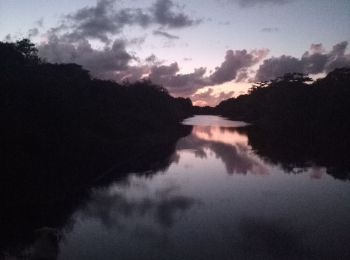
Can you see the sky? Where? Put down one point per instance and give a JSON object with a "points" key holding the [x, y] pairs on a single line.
{"points": [[208, 50]]}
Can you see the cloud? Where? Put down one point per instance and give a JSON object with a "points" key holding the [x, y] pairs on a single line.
{"points": [[208, 98], [314, 61], [100, 62], [33, 32], [104, 20], [165, 34], [234, 62], [164, 15], [95, 22], [270, 29], [114, 63], [70, 42], [176, 83], [275, 67], [153, 60], [40, 22]]}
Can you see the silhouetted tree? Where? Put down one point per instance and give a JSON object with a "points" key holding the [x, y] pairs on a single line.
{"points": [[61, 129]]}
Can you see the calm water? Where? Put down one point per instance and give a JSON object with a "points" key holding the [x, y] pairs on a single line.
{"points": [[216, 200]]}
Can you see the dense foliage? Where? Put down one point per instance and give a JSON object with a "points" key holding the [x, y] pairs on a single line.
{"points": [[63, 131], [292, 101], [36, 96], [297, 122]]}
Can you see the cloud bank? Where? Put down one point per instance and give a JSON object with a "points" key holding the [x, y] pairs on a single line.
{"points": [[71, 42], [104, 20], [314, 61]]}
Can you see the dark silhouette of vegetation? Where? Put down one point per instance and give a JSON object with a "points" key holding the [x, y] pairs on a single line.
{"points": [[297, 122], [63, 131], [292, 101]]}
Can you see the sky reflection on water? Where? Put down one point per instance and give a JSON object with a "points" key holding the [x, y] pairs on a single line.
{"points": [[217, 200]]}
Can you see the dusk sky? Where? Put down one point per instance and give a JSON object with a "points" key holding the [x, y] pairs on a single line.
{"points": [[206, 50]]}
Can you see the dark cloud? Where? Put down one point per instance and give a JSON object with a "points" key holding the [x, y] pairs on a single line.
{"points": [[242, 75], [33, 32], [270, 29], [234, 62], [95, 22], [186, 84], [8, 38], [275, 67], [104, 20], [153, 60], [314, 61], [165, 34], [164, 15], [70, 43], [138, 41], [101, 63], [176, 83]]}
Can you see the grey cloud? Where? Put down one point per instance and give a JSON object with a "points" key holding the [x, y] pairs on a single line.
{"points": [[275, 67], [337, 58], [242, 75], [164, 15], [33, 32], [137, 41], [8, 38], [178, 84], [270, 29], [93, 22], [40, 22], [235, 61], [165, 34], [131, 74], [99, 62], [314, 61], [104, 20], [186, 84], [153, 60]]}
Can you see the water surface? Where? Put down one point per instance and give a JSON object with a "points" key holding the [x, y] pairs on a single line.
{"points": [[218, 199]]}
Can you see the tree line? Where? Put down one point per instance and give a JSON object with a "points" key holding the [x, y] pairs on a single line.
{"points": [[295, 101]]}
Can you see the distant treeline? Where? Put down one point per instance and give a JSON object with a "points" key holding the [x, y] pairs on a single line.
{"points": [[294, 101]]}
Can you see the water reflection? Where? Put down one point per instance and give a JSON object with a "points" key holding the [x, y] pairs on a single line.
{"points": [[217, 197], [227, 144], [217, 200]]}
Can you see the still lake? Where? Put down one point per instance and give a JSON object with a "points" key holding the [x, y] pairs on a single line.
{"points": [[218, 199]]}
